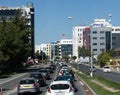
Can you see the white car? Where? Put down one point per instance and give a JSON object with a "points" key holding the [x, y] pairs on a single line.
{"points": [[64, 68], [106, 69], [60, 88]]}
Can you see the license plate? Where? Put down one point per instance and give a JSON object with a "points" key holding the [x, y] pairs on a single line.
{"points": [[59, 93], [26, 86]]}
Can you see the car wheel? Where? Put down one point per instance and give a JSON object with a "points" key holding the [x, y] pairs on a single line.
{"points": [[19, 94]]}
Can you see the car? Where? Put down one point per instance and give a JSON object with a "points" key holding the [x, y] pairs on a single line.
{"points": [[62, 63], [66, 77], [28, 85], [53, 66], [106, 69], [45, 73], [49, 69], [39, 77], [63, 71], [60, 88]]}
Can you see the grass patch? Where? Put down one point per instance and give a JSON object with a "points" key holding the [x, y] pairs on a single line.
{"points": [[98, 89]]}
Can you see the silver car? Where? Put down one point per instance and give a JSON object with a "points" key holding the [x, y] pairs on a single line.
{"points": [[28, 85]]}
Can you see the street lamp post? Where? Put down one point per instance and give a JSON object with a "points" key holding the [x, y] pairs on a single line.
{"points": [[91, 61]]}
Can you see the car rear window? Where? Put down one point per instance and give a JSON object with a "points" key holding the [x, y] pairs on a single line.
{"points": [[59, 86], [106, 67], [36, 75], [27, 81]]}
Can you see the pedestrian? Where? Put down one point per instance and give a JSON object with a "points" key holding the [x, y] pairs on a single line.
{"points": [[72, 73]]}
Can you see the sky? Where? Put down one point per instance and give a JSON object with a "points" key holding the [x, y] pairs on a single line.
{"points": [[51, 16]]}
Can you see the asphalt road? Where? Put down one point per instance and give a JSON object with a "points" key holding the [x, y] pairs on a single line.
{"points": [[113, 76], [10, 86]]}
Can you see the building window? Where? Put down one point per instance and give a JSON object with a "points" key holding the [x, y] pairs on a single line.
{"points": [[101, 32], [102, 50], [113, 43], [102, 43], [94, 49], [94, 32], [117, 29], [113, 37], [94, 43], [102, 37], [94, 38]]}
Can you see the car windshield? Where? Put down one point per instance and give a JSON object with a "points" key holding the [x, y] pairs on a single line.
{"points": [[59, 86], [64, 78], [43, 71], [36, 75], [27, 81]]}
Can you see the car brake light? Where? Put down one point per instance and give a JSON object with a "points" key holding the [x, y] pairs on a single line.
{"points": [[49, 90], [41, 78], [35, 84], [18, 86], [71, 89], [72, 83]]}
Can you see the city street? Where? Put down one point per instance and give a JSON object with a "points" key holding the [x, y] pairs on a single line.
{"points": [[10, 84]]}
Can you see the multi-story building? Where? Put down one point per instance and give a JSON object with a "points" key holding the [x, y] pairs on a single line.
{"points": [[77, 39], [37, 48], [86, 38], [66, 47], [115, 37], [100, 36], [28, 12]]}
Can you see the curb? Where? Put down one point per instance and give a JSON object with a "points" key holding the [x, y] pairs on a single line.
{"points": [[86, 87]]}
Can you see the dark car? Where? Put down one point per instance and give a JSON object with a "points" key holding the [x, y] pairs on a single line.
{"points": [[49, 69], [39, 77], [45, 73], [53, 66]]}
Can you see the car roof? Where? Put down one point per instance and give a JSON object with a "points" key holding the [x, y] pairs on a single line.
{"points": [[28, 78], [35, 73], [60, 82]]}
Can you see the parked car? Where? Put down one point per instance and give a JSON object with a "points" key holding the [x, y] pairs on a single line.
{"points": [[45, 73], [28, 85], [60, 88], [106, 69], [39, 77]]}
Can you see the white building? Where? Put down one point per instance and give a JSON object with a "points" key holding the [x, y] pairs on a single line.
{"points": [[37, 48], [77, 39], [100, 36]]}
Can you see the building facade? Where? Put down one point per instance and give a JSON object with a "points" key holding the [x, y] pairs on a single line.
{"points": [[115, 37], [77, 39], [66, 47]]}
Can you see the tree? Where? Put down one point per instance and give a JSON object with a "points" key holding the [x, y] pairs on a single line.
{"points": [[103, 58], [14, 45], [83, 52], [74, 58]]}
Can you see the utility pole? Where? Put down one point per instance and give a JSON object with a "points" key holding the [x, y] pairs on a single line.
{"points": [[91, 63]]}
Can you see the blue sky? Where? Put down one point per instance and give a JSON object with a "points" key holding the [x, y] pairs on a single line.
{"points": [[51, 16]]}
